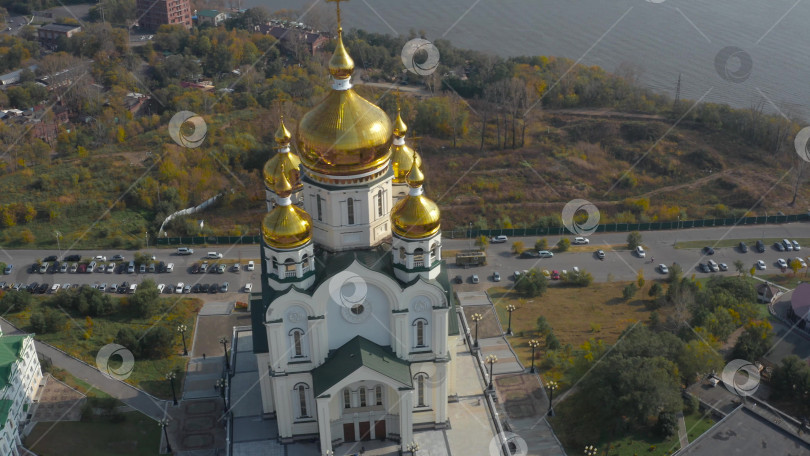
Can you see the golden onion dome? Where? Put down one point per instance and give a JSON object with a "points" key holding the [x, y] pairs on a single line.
{"points": [[399, 126], [283, 136], [402, 158], [287, 226], [344, 135], [341, 64], [416, 216]]}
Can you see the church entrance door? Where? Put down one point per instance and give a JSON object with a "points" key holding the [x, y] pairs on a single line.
{"points": [[365, 430], [379, 429], [348, 432]]}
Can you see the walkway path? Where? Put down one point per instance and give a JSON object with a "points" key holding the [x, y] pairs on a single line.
{"points": [[682, 437], [128, 394]]}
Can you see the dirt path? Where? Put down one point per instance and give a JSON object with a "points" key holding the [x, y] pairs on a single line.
{"points": [[604, 112]]}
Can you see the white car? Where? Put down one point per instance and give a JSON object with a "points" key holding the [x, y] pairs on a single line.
{"points": [[498, 239], [161, 287], [55, 288], [100, 258], [102, 287], [184, 251], [110, 268], [640, 252], [179, 288], [781, 263], [760, 265], [214, 255], [250, 265], [663, 269], [74, 267], [581, 240], [248, 287], [796, 245], [170, 267]]}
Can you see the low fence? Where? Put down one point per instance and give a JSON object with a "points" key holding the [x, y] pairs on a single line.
{"points": [[548, 231]]}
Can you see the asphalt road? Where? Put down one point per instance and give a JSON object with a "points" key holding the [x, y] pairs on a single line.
{"points": [[621, 265], [624, 265]]}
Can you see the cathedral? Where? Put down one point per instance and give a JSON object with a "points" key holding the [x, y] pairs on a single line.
{"points": [[355, 336]]}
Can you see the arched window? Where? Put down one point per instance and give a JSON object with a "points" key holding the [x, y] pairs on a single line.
{"points": [[418, 258], [289, 268], [363, 402], [347, 398], [420, 335], [301, 399], [379, 204], [298, 347], [421, 396], [402, 253], [350, 210], [378, 394], [318, 208]]}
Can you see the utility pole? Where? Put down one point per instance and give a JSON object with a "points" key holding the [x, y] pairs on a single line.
{"points": [[678, 90]]}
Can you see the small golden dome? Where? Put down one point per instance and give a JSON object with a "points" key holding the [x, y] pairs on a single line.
{"points": [[401, 161], [341, 64], [399, 126], [283, 187], [415, 176], [287, 227], [289, 163], [283, 136], [344, 135], [416, 217]]}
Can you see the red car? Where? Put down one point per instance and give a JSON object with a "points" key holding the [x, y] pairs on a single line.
{"points": [[82, 268], [555, 275]]}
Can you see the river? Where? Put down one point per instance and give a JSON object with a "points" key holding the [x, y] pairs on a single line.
{"points": [[664, 38]]}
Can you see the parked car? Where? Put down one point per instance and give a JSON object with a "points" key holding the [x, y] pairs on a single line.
{"points": [[113, 288], [250, 265], [235, 268], [123, 288], [713, 266], [102, 287], [704, 267], [195, 268], [195, 288], [170, 267], [640, 252], [498, 239], [49, 258], [75, 258], [161, 287], [31, 288], [132, 288], [545, 254], [248, 287], [203, 267], [708, 250], [43, 268], [528, 254], [82, 268], [102, 267], [663, 269], [161, 267], [179, 287], [458, 279], [760, 247], [555, 275], [221, 269], [142, 268], [600, 254], [74, 267], [55, 288], [214, 255], [184, 251], [131, 267], [43, 288], [760, 265], [787, 244], [474, 278], [63, 267], [743, 248], [580, 241], [152, 267], [117, 258], [796, 245], [779, 246], [187, 289], [224, 287], [781, 263], [204, 288], [100, 259], [723, 266], [496, 277], [214, 288]]}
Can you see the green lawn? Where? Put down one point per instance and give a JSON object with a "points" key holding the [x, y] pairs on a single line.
{"points": [[697, 424], [138, 435], [147, 374]]}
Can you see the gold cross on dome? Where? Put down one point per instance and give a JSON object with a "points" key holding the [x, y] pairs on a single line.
{"points": [[338, 10]]}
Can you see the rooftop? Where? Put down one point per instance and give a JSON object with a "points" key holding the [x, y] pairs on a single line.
{"points": [[10, 349], [60, 28], [5, 408], [208, 13], [354, 354]]}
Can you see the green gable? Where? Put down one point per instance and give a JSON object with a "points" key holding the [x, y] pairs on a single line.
{"points": [[5, 408], [354, 354], [10, 352]]}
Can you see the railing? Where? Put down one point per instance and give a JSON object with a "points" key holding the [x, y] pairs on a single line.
{"points": [[288, 274]]}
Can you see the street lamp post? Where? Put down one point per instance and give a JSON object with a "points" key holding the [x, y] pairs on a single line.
{"points": [[146, 236], [224, 343], [220, 386], [534, 344], [510, 308], [590, 450], [413, 447], [491, 359], [182, 330], [170, 377], [58, 244], [552, 385], [163, 424], [470, 235], [476, 317]]}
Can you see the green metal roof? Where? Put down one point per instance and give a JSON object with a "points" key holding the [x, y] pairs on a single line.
{"points": [[10, 350], [354, 354], [207, 13], [5, 408]]}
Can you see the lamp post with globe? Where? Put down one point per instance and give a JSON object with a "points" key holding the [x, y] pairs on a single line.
{"points": [[476, 317], [510, 308], [182, 330], [491, 359], [533, 344]]}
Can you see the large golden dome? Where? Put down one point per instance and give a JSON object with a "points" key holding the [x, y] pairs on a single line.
{"points": [[344, 134], [416, 216], [283, 160], [287, 226]]}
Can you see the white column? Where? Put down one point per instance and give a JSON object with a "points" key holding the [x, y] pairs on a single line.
{"points": [[299, 270], [405, 417], [441, 392], [408, 259], [324, 424], [284, 413], [439, 339]]}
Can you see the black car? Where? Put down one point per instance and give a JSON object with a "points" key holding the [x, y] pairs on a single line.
{"points": [[704, 267], [778, 246], [195, 268], [49, 258], [73, 258], [204, 288], [117, 258], [708, 250], [122, 268], [743, 247], [214, 288], [43, 288], [458, 279], [195, 288], [161, 267], [760, 247], [32, 287], [529, 254], [33, 269], [123, 287]]}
